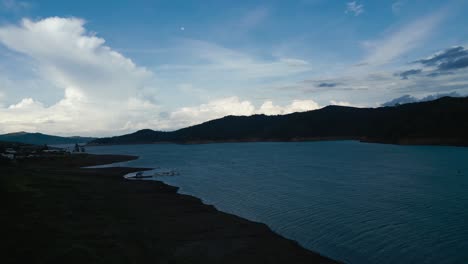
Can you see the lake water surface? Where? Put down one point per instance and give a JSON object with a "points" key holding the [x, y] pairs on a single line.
{"points": [[351, 201]]}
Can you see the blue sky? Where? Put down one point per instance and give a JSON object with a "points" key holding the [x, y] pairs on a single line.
{"points": [[167, 64]]}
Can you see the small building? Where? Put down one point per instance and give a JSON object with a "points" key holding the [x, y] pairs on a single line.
{"points": [[8, 156], [10, 151]]}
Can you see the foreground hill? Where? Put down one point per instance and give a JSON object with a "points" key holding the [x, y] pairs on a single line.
{"points": [[440, 122], [41, 139]]}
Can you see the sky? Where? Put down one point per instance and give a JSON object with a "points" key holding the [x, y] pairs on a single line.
{"points": [[92, 68]]}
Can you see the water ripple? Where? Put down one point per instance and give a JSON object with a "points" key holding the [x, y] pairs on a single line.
{"points": [[359, 203]]}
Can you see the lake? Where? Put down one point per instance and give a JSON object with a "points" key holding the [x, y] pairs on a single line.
{"points": [[354, 202]]}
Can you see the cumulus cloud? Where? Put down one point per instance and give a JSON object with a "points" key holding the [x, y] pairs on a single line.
{"points": [[73, 115], [100, 86], [341, 103], [295, 106], [26, 103], [355, 8], [234, 106], [72, 58], [105, 92]]}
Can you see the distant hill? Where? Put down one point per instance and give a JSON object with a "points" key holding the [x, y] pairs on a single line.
{"points": [[406, 99], [440, 122], [41, 139]]}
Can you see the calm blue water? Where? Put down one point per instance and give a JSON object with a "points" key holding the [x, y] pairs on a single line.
{"points": [[355, 202]]}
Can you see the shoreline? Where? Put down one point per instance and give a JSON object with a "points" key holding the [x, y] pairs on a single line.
{"points": [[167, 226], [454, 142]]}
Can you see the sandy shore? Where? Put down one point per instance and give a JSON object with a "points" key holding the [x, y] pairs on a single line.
{"points": [[55, 212]]}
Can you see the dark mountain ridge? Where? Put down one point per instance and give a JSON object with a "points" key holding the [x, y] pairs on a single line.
{"points": [[440, 122], [41, 139]]}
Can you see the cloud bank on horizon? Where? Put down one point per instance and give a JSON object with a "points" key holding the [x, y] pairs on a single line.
{"points": [[59, 76]]}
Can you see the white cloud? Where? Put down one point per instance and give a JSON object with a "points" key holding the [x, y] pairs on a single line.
{"points": [[72, 58], [26, 103], [234, 106], [340, 103], [216, 71], [102, 89], [73, 115], [294, 62], [397, 43], [268, 108], [378, 86], [300, 106], [355, 8], [207, 60], [106, 93]]}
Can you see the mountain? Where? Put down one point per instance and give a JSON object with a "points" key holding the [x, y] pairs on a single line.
{"points": [[406, 99], [440, 122], [41, 139]]}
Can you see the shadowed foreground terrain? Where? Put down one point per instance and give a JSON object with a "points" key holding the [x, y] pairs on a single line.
{"points": [[54, 212]]}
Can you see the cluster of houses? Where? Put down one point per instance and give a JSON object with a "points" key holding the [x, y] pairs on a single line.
{"points": [[20, 151]]}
